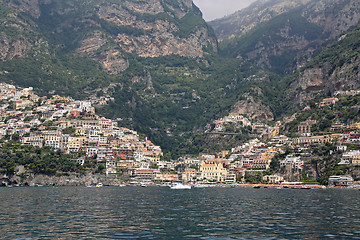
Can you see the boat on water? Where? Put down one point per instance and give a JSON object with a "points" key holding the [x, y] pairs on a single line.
{"points": [[99, 185], [256, 186], [145, 184], [179, 185]]}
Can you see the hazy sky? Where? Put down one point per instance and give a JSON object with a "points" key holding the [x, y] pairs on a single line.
{"points": [[213, 9]]}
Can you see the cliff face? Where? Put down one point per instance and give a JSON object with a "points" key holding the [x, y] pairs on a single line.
{"points": [[10, 49], [111, 59], [315, 81], [161, 36], [162, 43], [254, 109], [19, 35], [30, 7], [334, 69], [105, 29], [335, 16]]}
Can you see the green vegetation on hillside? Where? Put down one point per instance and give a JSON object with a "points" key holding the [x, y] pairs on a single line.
{"points": [[186, 95], [325, 163], [66, 75], [267, 35], [338, 53], [36, 160], [345, 111]]}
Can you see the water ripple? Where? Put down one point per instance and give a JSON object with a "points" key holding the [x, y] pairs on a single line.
{"points": [[159, 213]]}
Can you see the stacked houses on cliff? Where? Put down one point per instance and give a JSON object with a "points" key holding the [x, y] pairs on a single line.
{"points": [[73, 127]]}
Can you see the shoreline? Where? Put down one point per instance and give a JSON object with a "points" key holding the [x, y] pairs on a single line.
{"points": [[112, 180]]}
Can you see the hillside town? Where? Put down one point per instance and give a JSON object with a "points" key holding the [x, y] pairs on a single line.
{"points": [[72, 126]]}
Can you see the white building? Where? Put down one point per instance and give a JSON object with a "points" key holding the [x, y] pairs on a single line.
{"points": [[292, 161]]}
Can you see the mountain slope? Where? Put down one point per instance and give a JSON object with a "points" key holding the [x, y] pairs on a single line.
{"points": [[155, 61], [336, 68], [62, 40], [312, 44], [281, 35], [239, 23], [144, 28]]}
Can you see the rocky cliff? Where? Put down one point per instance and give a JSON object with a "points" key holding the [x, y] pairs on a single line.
{"points": [[66, 180], [336, 68], [161, 36], [253, 109], [315, 81], [19, 35], [104, 30]]}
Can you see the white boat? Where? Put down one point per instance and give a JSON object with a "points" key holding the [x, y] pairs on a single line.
{"points": [[180, 186], [145, 184], [99, 185]]}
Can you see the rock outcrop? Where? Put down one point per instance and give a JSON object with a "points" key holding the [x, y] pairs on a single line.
{"points": [[18, 35], [10, 49], [160, 36], [163, 43], [111, 59], [66, 180], [336, 16], [317, 80], [30, 7], [253, 109]]}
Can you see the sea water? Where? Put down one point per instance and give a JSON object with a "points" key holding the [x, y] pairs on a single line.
{"points": [[162, 213]]}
